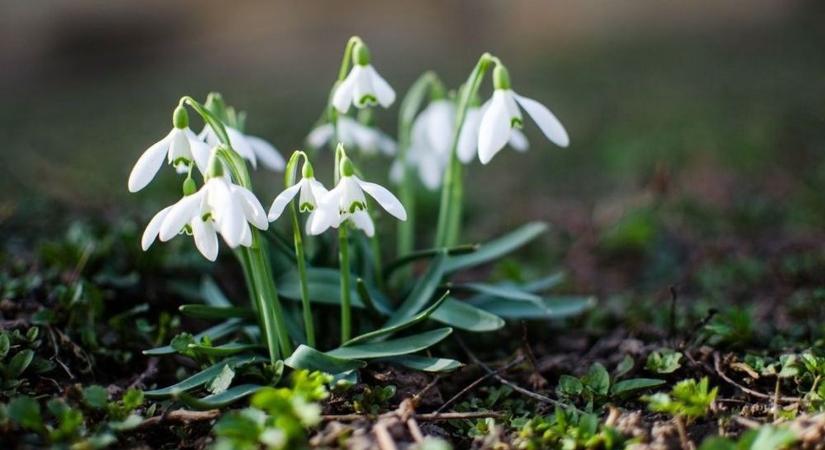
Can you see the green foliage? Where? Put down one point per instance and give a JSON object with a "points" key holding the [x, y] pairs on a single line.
{"points": [[278, 417], [18, 359], [566, 430], [688, 399], [373, 399], [733, 327], [596, 387], [767, 437], [664, 361]]}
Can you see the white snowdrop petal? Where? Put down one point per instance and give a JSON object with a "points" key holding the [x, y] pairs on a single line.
{"points": [[547, 122], [441, 125], [266, 153], [396, 172], [384, 197], [282, 200], [468, 138], [387, 145], [241, 145], [148, 164], [252, 208], [246, 235], [206, 239], [518, 141], [179, 215], [363, 221], [318, 189], [342, 97], [383, 91], [153, 228], [327, 213], [430, 170], [200, 150], [318, 137], [494, 130], [229, 215], [362, 88], [179, 146]]}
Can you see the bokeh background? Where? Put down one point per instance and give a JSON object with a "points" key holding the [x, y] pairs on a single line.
{"points": [[717, 106]]}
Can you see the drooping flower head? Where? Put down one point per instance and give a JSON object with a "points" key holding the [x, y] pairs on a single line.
{"points": [[218, 207], [353, 134], [363, 86], [347, 202], [251, 148], [181, 148], [501, 116], [309, 190]]}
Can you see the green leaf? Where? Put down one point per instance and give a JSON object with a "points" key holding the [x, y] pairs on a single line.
{"points": [[663, 361], [324, 286], [634, 384], [597, 379], [305, 357], [204, 376], [507, 292], [214, 333], [228, 349], [552, 308], [26, 412], [425, 363], [212, 294], [497, 247], [216, 312], [546, 283], [222, 380], [4, 345], [393, 347], [96, 396], [421, 293], [625, 366], [221, 400], [428, 253], [772, 438], [386, 331], [19, 363], [465, 316], [569, 386], [129, 423]]}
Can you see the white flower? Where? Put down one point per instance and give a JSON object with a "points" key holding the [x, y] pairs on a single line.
{"points": [[502, 115], [468, 140], [352, 133], [310, 191], [347, 202], [181, 147], [362, 87], [251, 148], [218, 207]]}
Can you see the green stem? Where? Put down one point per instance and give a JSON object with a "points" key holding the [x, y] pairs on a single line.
{"points": [[254, 260], [449, 213], [343, 251], [302, 276]]}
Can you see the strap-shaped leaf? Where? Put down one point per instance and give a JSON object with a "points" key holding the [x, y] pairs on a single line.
{"points": [[305, 357], [551, 308], [425, 363], [497, 247], [386, 331], [220, 400], [229, 349], [324, 287], [216, 312], [543, 284], [392, 347], [204, 376], [466, 317], [422, 293], [634, 384], [428, 253], [510, 292], [214, 333]]}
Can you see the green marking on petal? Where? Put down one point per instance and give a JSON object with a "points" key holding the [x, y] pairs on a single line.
{"points": [[515, 122], [306, 207]]}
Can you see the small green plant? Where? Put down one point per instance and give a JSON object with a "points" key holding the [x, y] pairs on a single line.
{"points": [[277, 418], [767, 437], [566, 430], [596, 387], [664, 361], [18, 358], [373, 399], [688, 399]]}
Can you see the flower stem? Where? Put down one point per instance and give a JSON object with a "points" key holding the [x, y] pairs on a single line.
{"points": [[302, 276], [343, 252], [449, 213]]}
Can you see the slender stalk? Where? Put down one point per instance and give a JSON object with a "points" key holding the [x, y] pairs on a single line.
{"points": [[343, 251], [254, 259], [302, 275], [449, 213]]}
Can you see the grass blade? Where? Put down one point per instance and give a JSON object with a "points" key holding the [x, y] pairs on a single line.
{"points": [[204, 376], [216, 401], [218, 331], [216, 312], [305, 357]]}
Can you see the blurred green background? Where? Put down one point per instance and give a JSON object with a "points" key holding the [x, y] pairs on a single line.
{"points": [[718, 102]]}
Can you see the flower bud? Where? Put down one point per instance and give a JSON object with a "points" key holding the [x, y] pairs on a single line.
{"points": [[307, 170], [501, 77], [189, 186], [361, 54], [180, 118], [347, 169]]}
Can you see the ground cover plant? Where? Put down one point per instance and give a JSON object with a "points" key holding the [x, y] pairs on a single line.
{"points": [[328, 320]]}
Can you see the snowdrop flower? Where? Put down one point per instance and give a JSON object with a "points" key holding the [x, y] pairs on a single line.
{"points": [[309, 190], [430, 139], [251, 148], [347, 202], [181, 147], [353, 133], [363, 86], [503, 115], [219, 207], [468, 140]]}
